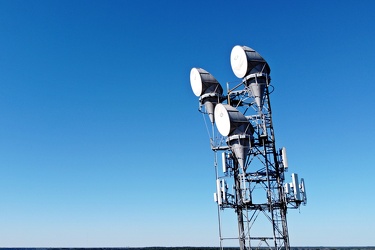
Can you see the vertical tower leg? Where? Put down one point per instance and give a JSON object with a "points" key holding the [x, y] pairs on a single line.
{"points": [[239, 210]]}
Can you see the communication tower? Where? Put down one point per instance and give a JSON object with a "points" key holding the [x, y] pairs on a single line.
{"points": [[251, 179]]}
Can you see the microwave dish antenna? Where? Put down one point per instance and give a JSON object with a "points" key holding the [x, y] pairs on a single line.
{"points": [[205, 86], [245, 60]]}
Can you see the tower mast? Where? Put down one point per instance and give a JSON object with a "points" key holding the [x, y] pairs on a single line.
{"points": [[251, 163]]}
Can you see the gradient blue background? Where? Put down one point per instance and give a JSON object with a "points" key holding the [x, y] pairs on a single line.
{"points": [[101, 144]]}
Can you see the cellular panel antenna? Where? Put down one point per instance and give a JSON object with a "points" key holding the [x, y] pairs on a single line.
{"points": [[252, 177]]}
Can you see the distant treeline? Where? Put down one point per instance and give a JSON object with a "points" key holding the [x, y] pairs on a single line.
{"points": [[189, 248]]}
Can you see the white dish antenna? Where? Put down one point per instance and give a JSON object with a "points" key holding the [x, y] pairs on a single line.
{"points": [[231, 121], [245, 60], [203, 82], [207, 88]]}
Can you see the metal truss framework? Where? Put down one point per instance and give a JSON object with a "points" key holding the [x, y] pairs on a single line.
{"points": [[258, 185], [251, 164]]}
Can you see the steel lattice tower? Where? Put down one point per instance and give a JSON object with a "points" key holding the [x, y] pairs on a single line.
{"points": [[250, 162]]}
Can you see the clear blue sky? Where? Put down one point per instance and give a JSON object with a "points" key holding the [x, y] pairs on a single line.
{"points": [[101, 144]]}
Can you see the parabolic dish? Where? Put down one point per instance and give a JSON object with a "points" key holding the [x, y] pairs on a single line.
{"points": [[238, 61], [222, 119], [245, 60], [202, 82], [196, 81], [229, 119]]}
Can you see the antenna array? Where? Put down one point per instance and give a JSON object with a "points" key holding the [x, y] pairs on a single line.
{"points": [[251, 164]]}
